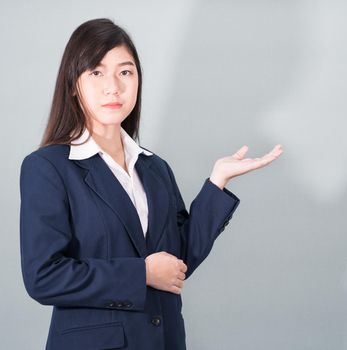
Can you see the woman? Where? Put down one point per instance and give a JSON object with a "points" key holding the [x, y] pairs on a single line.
{"points": [[105, 235]]}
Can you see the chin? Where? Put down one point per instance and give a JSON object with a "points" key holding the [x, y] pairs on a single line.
{"points": [[110, 119]]}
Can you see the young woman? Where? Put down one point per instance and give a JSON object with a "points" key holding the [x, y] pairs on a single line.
{"points": [[105, 235]]}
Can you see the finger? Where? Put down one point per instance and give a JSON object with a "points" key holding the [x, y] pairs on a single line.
{"points": [[270, 157], [273, 154], [175, 290], [255, 163], [181, 276], [183, 267], [276, 151], [240, 153], [178, 283], [261, 162]]}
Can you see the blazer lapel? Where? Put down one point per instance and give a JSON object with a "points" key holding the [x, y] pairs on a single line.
{"points": [[103, 182], [157, 199]]}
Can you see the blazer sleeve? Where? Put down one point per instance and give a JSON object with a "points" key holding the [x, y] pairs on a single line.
{"points": [[209, 214], [52, 278]]}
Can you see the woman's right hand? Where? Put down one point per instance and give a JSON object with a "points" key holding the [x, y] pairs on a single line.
{"points": [[165, 271]]}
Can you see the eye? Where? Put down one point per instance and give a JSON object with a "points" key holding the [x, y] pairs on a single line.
{"points": [[126, 71], [95, 71]]}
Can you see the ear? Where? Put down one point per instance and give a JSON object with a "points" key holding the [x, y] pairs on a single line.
{"points": [[74, 90]]}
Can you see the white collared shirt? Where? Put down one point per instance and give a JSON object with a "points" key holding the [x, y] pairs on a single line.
{"points": [[130, 182]]}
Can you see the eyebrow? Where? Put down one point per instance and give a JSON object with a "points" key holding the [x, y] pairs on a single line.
{"points": [[126, 63]]}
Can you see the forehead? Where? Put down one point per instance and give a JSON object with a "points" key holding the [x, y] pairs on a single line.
{"points": [[118, 55]]}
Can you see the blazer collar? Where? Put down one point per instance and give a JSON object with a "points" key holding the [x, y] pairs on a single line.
{"points": [[101, 180]]}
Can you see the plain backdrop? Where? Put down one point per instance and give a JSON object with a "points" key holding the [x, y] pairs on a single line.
{"points": [[217, 75]]}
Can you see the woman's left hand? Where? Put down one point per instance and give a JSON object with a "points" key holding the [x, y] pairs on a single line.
{"points": [[231, 166]]}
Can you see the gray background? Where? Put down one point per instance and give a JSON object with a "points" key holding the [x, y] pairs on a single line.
{"points": [[217, 75]]}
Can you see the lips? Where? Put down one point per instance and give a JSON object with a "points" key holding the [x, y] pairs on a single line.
{"points": [[113, 105]]}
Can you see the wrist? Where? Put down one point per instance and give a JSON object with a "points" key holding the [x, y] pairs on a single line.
{"points": [[218, 182]]}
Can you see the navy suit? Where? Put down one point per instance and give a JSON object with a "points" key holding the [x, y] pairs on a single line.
{"points": [[83, 248]]}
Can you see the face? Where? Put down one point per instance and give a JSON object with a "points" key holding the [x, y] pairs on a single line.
{"points": [[114, 80]]}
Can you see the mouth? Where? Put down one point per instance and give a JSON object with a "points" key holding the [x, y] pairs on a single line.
{"points": [[113, 105]]}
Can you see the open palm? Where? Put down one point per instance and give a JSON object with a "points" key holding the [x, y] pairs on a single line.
{"points": [[231, 166]]}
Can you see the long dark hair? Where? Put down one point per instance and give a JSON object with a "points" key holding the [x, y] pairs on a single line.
{"points": [[85, 49]]}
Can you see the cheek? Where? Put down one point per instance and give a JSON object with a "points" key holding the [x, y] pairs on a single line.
{"points": [[90, 94], [133, 90]]}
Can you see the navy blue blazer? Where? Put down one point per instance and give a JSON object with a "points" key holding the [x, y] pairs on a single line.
{"points": [[83, 249]]}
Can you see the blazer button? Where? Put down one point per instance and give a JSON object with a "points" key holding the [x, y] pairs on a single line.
{"points": [[119, 304], [156, 321], [111, 304], [128, 303]]}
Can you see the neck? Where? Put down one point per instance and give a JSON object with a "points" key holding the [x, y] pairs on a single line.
{"points": [[109, 139]]}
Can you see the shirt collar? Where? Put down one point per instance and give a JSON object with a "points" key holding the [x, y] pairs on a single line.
{"points": [[88, 149]]}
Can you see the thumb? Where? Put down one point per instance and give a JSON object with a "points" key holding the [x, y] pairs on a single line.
{"points": [[240, 153]]}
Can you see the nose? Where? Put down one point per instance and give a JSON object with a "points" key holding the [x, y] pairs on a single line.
{"points": [[113, 86]]}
